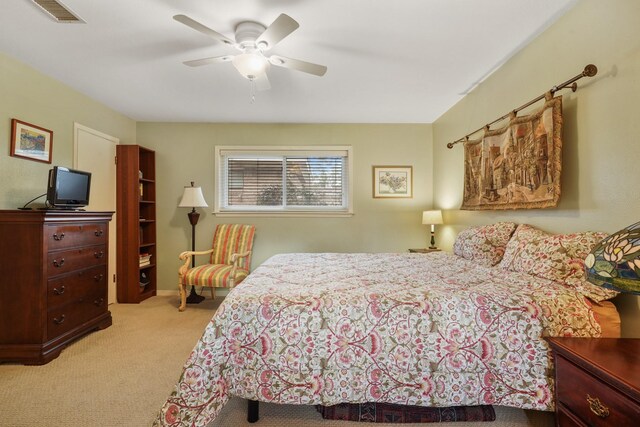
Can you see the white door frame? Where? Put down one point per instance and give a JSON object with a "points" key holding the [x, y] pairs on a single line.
{"points": [[111, 274]]}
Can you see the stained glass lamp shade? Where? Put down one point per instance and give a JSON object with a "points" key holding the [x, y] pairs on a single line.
{"points": [[614, 263]]}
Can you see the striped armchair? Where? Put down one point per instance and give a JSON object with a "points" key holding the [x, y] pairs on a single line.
{"points": [[229, 261]]}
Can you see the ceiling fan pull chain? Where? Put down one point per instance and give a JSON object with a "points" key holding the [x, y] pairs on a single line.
{"points": [[253, 91]]}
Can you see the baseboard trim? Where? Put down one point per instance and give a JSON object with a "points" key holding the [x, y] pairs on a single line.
{"points": [[167, 293]]}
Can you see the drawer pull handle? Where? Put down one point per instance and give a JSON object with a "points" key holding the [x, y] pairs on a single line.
{"points": [[98, 277], [597, 407], [59, 291], [99, 302], [98, 233], [98, 254], [57, 263], [59, 321], [58, 237]]}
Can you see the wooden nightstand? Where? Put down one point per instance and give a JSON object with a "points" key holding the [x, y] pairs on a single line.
{"points": [[597, 381], [423, 250]]}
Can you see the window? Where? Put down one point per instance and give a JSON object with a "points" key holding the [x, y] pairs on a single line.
{"points": [[283, 180]]}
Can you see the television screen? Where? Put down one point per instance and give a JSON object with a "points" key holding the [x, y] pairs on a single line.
{"points": [[68, 188]]}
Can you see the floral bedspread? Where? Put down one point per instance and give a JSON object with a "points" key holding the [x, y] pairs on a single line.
{"points": [[415, 329]]}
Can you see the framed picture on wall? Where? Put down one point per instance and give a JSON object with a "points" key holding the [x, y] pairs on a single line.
{"points": [[30, 141], [392, 182]]}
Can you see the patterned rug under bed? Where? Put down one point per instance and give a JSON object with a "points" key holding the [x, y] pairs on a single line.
{"points": [[389, 413]]}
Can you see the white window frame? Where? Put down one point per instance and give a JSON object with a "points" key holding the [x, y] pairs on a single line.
{"points": [[277, 152]]}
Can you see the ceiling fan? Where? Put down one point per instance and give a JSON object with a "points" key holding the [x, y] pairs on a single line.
{"points": [[253, 40]]}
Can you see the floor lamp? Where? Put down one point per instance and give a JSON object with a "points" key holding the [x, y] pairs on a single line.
{"points": [[193, 198]]}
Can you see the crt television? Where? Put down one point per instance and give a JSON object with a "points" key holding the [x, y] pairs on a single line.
{"points": [[68, 188]]}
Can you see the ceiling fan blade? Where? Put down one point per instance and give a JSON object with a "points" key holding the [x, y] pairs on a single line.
{"points": [[296, 64], [207, 61], [183, 19], [262, 82], [279, 29]]}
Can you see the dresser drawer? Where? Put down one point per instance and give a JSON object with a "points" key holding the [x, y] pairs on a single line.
{"points": [[68, 236], [61, 262], [67, 317], [565, 419], [71, 287], [585, 395]]}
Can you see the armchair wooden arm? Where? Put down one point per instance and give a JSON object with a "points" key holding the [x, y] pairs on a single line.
{"points": [[235, 260], [236, 257], [190, 253], [186, 256]]}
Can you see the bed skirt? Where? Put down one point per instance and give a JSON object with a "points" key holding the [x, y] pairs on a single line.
{"points": [[390, 413]]}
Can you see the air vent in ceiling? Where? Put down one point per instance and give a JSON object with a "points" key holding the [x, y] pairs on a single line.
{"points": [[57, 11]]}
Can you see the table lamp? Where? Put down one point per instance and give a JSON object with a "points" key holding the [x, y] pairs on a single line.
{"points": [[432, 218], [614, 263], [193, 198]]}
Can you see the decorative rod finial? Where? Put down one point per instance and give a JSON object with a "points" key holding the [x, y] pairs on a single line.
{"points": [[590, 70], [449, 145]]}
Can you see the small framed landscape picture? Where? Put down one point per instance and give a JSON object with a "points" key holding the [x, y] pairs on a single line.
{"points": [[30, 141], [393, 181]]}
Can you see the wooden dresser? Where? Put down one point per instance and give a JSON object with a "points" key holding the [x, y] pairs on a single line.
{"points": [[53, 281], [597, 381]]}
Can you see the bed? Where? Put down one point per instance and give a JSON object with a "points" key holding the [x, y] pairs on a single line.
{"points": [[436, 329]]}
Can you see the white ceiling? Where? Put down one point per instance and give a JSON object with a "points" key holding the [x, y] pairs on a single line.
{"points": [[389, 61]]}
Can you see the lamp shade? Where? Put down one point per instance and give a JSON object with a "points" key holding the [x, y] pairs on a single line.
{"points": [[432, 217], [614, 263], [192, 198]]}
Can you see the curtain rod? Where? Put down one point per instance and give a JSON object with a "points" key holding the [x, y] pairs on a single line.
{"points": [[589, 71]]}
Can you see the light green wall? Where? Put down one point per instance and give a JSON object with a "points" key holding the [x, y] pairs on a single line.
{"points": [[185, 152], [601, 148], [32, 97]]}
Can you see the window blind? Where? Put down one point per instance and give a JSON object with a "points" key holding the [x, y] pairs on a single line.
{"points": [[296, 180], [254, 182]]}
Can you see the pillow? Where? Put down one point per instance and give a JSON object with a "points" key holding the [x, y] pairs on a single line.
{"points": [[557, 257], [484, 244]]}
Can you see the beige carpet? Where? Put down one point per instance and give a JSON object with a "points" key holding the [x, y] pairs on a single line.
{"points": [[121, 377]]}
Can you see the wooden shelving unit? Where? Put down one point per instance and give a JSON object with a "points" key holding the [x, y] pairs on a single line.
{"points": [[136, 219]]}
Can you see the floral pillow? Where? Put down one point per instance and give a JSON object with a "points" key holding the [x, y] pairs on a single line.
{"points": [[484, 244], [557, 257]]}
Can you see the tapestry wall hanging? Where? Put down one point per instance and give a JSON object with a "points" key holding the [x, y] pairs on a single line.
{"points": [[517, 166]]}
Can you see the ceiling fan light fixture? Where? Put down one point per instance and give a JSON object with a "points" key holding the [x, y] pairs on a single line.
{"points": [[250, 64], [252, 39]]}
